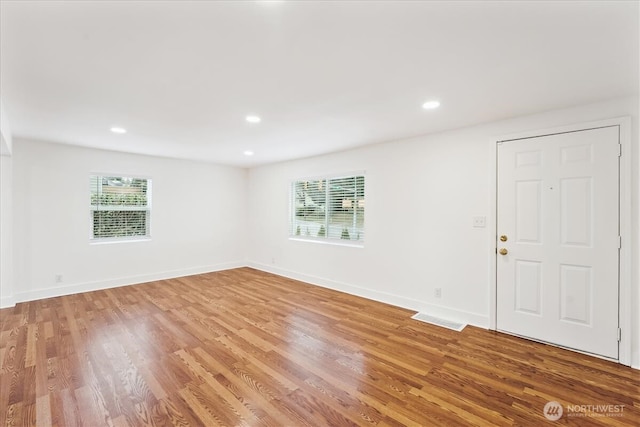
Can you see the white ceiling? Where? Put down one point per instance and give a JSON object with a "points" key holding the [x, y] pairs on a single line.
{"points": [[324, 76]]}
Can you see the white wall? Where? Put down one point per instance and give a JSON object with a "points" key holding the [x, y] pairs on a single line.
{"points": [[197, 220], [6, 232], [6, 139], [441, 181], [6, 225]]}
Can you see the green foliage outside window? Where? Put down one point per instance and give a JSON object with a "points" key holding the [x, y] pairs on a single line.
{"points": [[119, 223], [119, 199]]}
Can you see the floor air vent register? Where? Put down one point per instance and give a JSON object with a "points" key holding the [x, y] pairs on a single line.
{"points": [[439, 322]]}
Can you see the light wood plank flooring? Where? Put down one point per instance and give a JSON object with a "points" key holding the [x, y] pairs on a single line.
{"points": [[247, 348]]}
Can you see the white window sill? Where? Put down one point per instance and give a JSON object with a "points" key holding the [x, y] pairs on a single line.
{"points": [[332, 242], [108, 241]]}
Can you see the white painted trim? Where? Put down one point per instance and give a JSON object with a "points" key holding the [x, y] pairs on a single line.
{"points": [[624, 348], [329, 241], [7, 302], [446, 313], [37, 294], [6, 136], [118, 240], [562, 129], [492, 225]]}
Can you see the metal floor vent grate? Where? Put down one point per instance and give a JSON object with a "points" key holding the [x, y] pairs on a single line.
{"points": [[439, 322]]}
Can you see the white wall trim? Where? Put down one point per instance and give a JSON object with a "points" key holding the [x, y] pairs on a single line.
{"points": [[625, 356], [7, 302], [6, 137], [626, 187], [384, 297], [37, 294]]}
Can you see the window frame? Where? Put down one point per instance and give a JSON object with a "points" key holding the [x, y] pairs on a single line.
{"points": [[327, 238], [147, 210]]}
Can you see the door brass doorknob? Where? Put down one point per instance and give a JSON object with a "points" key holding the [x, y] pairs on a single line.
{"points": [[503, 238], [503, 251]]}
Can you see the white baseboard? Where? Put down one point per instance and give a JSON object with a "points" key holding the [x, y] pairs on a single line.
{"points": [[37, 294], [460, 316], [447, 313], [7, 302], [397, 300]]}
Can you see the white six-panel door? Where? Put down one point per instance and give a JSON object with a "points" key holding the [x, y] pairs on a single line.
{"points": [[558, 239]]}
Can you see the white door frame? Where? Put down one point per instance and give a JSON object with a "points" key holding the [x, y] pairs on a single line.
{"points": [[624, 319]]}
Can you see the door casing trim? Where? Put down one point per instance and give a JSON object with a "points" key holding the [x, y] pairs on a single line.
{"points": [[624, 304]]}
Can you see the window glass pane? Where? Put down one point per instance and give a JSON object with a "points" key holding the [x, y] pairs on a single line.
{"points": [[119, 206], [346, 208], [118, 191], [330, 208], [119, 223], [310, 201]]}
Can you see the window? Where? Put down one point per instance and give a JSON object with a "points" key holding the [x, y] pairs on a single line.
{"points": [[328, 208], [120, 207]]}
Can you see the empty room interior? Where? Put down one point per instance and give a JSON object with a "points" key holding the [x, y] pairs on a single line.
{"points": [[318, 213]]}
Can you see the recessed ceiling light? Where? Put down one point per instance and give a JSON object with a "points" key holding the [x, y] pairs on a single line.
{"points": [[430, 105], [248, 153], [120, 130], [253, 119]]}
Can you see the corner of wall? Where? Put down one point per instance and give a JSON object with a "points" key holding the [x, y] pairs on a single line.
{"points": [[446, 313], [6, 141], [76, 288], [7, 302], [6, 232]]}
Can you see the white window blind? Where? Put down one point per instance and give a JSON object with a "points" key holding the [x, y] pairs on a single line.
{"points": [[328, 208], [120, 207]]}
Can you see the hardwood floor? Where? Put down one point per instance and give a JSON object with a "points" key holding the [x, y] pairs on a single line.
{"points": [[243, 347]]}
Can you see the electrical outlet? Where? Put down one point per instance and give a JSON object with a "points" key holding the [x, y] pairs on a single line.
{"points": [[58, 278], [480, 221], [438, 293]]}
